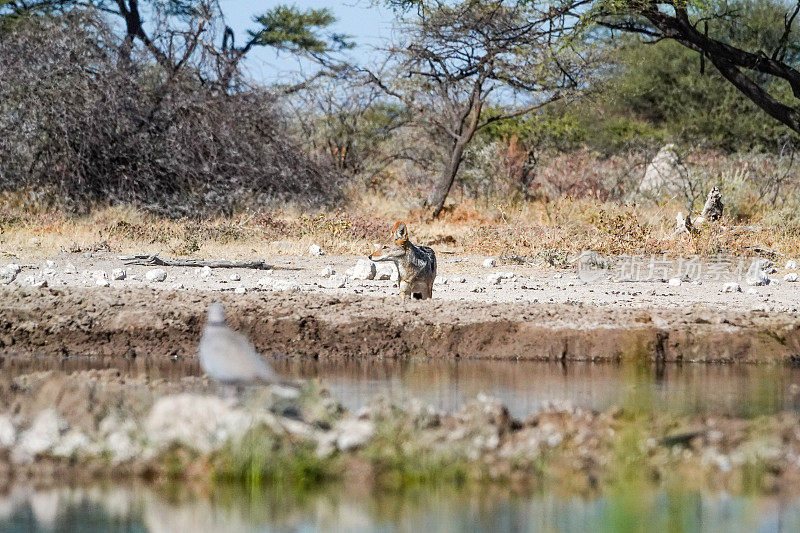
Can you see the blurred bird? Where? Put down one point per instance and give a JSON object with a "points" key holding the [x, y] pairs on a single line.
{"points": [[227, 356]]}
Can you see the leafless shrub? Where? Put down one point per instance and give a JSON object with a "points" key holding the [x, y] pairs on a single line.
{"points": [[80, 127]]}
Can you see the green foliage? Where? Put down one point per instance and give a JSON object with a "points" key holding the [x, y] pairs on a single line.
{"points": [[661, 85], [288, 28], [262, 457]]}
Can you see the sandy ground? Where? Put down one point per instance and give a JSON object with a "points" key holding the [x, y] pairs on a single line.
{"points": [[539, 314], [639, 282]]}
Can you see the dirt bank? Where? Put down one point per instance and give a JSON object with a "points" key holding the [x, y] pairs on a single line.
{"points": [[157, 325]]}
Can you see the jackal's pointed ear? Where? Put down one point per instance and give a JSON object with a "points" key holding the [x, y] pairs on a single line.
{"points": [[400, 233]]}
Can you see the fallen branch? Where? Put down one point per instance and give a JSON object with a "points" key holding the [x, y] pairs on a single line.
{"points": [[154, 260]]}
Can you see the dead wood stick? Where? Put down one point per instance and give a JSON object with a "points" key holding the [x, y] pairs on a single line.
{"points": [[154, 260]]}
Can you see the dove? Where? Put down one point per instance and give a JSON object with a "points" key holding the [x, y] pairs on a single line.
{"points": [[228, 356]]}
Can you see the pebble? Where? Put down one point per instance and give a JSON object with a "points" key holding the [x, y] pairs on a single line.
{"points": [[69, 268], [791, 277], [674, 282], [494, 279], [327, 272], [102, 282], [35, 282], [490, 263], [440, 281], [235, 277], [49, 272], [50, 263], [315, 249], [99, 274], [459, 279], [791, 264], [205, 272], [157, 275], [178, 286], [386, 270], [731, 287], [354, 434], [757, 273], [239, 290], [364, 269], [334, 282], [118, 274], [13, 268]]}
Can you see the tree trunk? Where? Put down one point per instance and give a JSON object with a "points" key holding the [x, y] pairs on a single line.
{"points": [[466, 131], [442, 188]]}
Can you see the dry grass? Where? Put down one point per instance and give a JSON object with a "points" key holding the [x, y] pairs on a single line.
{"points": [[536, 229]]}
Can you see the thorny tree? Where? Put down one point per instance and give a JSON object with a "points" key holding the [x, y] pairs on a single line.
{"points": [[707, 27], [456, 57], [192, 35]]}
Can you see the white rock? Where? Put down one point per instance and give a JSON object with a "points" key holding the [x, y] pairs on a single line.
{"points": [[40, 437], [121, 447], [118, 274], [757, 273], [791, 264], [265, 282], [364, 269], [665, 171], [73, 444], [731, 287], [8, 435], [36, 241], [178, 286], [385, 270], [239, 290], [203, 423], [334, 282], [102, 282], [674, 282], [315, 249], [791, 277], [156, 275], [49, 272], [235, 277], [353, 434], [99, 274], [440, 281], [558, 275], [459, 279], [49, 263], [69, 268], [494, 279], [490, 262], [284, 285], [205, 272], [13, 267], [349, 272], [33, 281], [327, 272]]}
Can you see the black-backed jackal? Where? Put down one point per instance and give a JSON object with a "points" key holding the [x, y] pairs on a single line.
{"points": [[415, 264]]}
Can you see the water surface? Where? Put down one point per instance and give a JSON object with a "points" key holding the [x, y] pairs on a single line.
{"points": [[138, 509]]}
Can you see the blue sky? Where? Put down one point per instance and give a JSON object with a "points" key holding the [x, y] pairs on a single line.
{"points": [[368, 25]]}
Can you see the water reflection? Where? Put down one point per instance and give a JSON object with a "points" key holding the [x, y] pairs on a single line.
{"points": [[524, 386], [139, 509]]}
